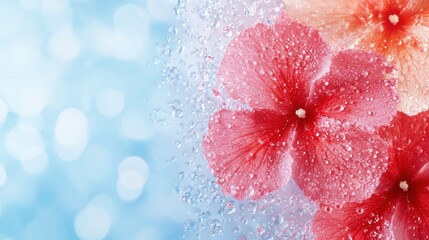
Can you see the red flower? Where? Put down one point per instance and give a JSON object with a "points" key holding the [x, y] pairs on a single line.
{"points": [[301, 104], [401, 201], [398, 29]]}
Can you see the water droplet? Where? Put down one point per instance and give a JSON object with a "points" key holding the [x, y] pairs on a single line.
{"points": [[327, 209], [252, 208], [229, 208]]}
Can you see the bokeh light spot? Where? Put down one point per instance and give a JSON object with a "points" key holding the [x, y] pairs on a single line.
{"points": [[161, 10], [64, 45], [34, 160], [137, 126], [4, 110], [71, 132], [3, 176], [110, 102], [92, 223], [133, 173]]}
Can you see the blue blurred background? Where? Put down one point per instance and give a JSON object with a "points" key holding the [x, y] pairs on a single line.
{"points": [[84, 133]]}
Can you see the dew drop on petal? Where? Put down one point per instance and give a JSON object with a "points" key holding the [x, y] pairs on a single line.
{"points": [[359, 210]]}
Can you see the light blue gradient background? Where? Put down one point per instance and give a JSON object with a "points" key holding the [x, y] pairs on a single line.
{"points": [[68, 56]]}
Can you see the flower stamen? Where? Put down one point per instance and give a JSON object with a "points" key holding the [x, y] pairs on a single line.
{"points": [[404, 186], [300, 113], [394, 19]]}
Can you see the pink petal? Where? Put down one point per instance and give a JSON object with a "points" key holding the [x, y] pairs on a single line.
{"points": [[247, 151], [283, 17], [338, 164], [411, 221], [267, 67], [356, 90], [367, 220]]}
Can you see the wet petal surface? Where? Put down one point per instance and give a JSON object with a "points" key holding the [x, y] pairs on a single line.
{"points": [[247, 151]]}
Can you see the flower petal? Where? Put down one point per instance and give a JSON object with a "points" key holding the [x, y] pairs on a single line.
{"points": [[342, 22], [283, 18], [411, 220], [268, 66], [365, 24], [419, 8], [422, 176], [413, 66], [247, 151], [408, 143], [367, 220], [356, 90], [335, 164]]}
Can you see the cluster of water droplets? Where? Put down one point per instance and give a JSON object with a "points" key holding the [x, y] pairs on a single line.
{"points": [[196, 47]]}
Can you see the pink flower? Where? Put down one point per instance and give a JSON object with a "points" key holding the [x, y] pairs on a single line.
{"points": [[401, 201], [398, 29], [303, 114]]}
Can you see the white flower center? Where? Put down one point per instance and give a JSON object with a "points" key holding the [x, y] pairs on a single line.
{"points": [[300, 113], [394, 19], [404, 185]]}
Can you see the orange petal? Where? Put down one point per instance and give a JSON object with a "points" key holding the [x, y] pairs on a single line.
{"points": [[413, 65]]}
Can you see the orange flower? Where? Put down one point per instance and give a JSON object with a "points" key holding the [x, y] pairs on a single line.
{"points": [[398, 29]]}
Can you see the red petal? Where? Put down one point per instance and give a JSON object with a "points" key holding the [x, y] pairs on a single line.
{"points": [[338, 164], [247, 151], [409, 141], [267, 67], [411, 220], [422, 176], [356, 90], [408, 138], [367, 220]]}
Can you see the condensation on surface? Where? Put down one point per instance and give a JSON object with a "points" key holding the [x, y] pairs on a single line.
{"points": [[196, 47]]}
